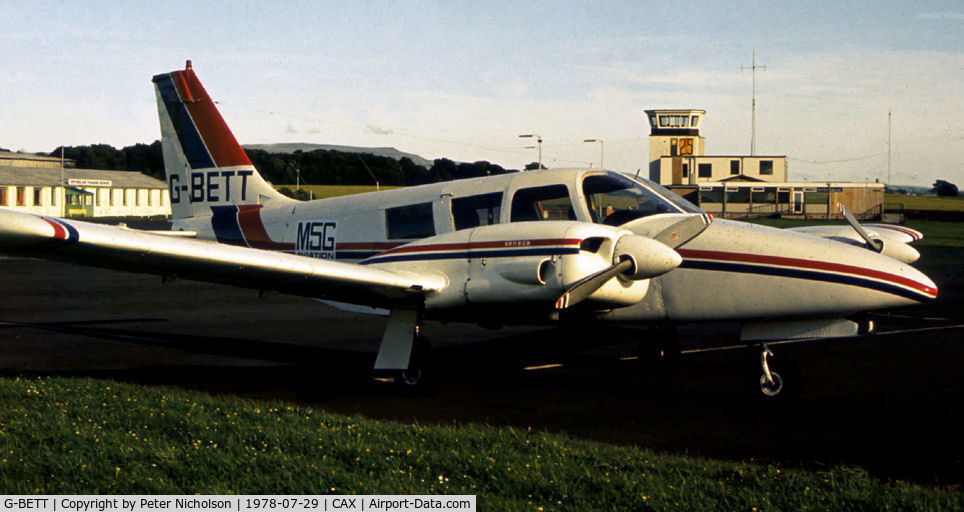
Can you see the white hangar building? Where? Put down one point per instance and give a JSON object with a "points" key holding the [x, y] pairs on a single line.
{"points": [[38, 184]]}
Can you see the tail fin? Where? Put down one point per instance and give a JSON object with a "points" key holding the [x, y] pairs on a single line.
{"points": [[205, 165]]}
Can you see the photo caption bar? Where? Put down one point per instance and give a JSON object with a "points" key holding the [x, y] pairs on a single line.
{"points": [[239, 503]]}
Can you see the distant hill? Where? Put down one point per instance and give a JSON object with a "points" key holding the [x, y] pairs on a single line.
{"points": [[295, 146]]}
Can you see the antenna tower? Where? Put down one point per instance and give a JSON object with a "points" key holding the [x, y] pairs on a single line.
{"points": [[753, 67]]}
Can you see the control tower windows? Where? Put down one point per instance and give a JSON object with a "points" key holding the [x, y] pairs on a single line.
{"points": [[674, 121]]}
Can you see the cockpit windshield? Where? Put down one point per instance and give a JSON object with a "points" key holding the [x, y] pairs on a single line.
{"points": [[614, 199]]}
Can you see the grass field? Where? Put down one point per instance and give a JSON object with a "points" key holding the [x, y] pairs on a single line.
{"points": [[65, 436], [931, 203]]}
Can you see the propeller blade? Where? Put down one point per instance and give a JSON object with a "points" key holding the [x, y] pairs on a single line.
{"points": [[585, 287], [872, 244], [683, 231], [639, 258]]}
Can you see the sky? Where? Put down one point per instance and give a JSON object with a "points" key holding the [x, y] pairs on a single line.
{"points": [[463, 79]]}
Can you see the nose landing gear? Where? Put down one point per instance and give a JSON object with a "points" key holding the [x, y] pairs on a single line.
{"points": [[771, 382], [775, 381]]}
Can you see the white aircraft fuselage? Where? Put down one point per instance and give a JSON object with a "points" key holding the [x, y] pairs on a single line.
{"points": [[732, 271]]}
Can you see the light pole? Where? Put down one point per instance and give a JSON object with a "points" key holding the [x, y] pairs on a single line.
{"points": [[538, 141], [601, 151]]}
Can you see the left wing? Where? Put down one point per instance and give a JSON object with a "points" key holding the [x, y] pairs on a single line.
{"points": [[121, 248]]}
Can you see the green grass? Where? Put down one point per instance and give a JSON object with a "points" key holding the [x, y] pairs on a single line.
{"points": [[64, 436], [932, 203]]}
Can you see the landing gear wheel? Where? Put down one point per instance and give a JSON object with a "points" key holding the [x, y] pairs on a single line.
{"points": [[775, 381], [417, 378], [771, 389]]}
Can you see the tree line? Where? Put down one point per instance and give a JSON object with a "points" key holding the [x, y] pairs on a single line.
{"points": [[318, 167]]}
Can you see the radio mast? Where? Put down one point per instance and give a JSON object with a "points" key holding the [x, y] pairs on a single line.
{"points": [[753, 67]]}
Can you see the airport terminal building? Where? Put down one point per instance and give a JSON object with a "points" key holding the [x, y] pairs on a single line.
{"points": [[41, 185], [744, 185]]}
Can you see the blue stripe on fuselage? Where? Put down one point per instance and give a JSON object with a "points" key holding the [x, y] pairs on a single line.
{"points": [[812, 275], [227, 229]]}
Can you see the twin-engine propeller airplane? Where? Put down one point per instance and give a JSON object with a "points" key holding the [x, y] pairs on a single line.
{"points": [[542, 247]]}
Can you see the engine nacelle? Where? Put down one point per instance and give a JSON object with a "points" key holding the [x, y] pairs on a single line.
{"points": [[650, 258], [899, 250]]}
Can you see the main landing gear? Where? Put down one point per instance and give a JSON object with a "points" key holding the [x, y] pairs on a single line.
{"points": [[403, 355], [418, 376]]}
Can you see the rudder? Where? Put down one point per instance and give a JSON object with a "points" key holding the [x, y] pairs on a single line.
{"points": [[205, 165]]}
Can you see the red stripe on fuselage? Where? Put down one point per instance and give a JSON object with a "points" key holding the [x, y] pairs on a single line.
{"points": [[468, 246], [252, 227], [367, 246], [826, 266], [220, 142]]}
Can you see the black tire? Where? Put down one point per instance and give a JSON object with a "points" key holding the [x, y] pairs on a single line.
{"points": [[788, 382], [420, 376]]}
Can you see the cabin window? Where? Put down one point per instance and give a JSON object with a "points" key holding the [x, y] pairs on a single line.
{"points": [[766, 167], [542, 203], [412, 221], [473, 211], [615, 200]]}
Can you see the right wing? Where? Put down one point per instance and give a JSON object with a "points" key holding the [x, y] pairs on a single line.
{"points": [[120, 248]]}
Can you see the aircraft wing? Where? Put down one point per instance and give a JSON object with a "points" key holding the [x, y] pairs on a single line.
{"points": [[891, 231], [120, 248]]}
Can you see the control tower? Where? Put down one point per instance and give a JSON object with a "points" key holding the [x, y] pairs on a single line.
{"points": [[674, 133], [677, 154]]}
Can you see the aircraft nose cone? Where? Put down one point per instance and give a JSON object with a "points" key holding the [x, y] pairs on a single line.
{"points": [[901, 279], [650, 258]]}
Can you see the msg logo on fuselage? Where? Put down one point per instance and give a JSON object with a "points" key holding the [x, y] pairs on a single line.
{"points": [[316, 239]]}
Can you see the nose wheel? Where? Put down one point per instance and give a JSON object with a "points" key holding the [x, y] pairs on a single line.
{"points": [[771, 382], [775, 381]]}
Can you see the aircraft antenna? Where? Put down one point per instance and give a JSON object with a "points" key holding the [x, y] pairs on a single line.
{"points": [[753, 67], [362, 160]]}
